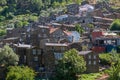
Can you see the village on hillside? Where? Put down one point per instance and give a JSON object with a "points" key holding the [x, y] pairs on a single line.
{"points": [[85, 28]]}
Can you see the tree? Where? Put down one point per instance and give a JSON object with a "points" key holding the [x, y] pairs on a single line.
{"points": [[18, 24], [115, 25], [20, 73], [114, 59], [70, 65], [79, 29], [8, 57], [114, 72], [111, 58], [2, 32], [3, 2]]}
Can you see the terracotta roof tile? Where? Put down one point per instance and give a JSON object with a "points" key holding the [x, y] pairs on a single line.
{"points": [[67, 32], [53, 30]]}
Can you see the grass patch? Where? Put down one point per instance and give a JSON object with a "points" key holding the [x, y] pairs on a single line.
{"points": [[91, 76]]}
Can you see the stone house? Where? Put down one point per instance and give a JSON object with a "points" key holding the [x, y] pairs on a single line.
{"points": [[113, 15], [97, 12], [44, 20], [73, 9], [92, 61], [56, 34], [108, 42], [39, 47], [16, 32], [53, 53], [35, 35], [101, 22]]}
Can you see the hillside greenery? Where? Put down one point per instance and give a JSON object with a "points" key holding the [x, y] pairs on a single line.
{"points": [[71, 65], [20, 73], [19, 13], [115, 25]]}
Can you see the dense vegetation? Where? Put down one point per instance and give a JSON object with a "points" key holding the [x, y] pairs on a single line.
{"points": [[113, 59], [20, 73], [19, 13], [8, 57], [115, 25], [71, 65]]}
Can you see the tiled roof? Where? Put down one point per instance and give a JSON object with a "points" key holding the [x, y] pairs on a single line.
{"points": [[109, 37], [12, 38], [84, 52], [67, 32], [53, 30], [56, 44], [103, 18], [22, 45]]}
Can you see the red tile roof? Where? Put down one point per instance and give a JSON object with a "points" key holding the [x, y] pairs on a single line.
{"points": [[53, 30]]}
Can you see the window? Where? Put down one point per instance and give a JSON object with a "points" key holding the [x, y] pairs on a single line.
{"points": [[58, 56], [94, 62], [53, 35], [34, 51], [36, 58], [10, 32], [39, 51], [14, 49], [94, 56], [24, 58], [39, 35], [52, 48], [89, 62], [20, 39], [62, 48], [43, 30], [44, 35], [28, 35], [89, 56]]}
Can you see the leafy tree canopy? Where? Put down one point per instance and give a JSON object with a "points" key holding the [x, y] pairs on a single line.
{"points": [[20, 73], [115, 25], [8, 57], [70, 65], [79, 28]]}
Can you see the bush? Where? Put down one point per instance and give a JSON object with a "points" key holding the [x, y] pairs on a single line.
{"points": [[18, 24], [2, 32], [10, 15], [105, 59], [20, 73], [115, 25], [2, 18], [111, 58], [70, 66]]}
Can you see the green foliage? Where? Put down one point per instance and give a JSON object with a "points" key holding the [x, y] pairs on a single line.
{"points": [[91, 76], [2, 32], [10, 15], [115, 25], [8, 57], [79, 28], [3, 2], [20, 73], [114, 72], [109, 58], [105, 59], [70, 65], [2, 18], [18, 24], [15, 11]]}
